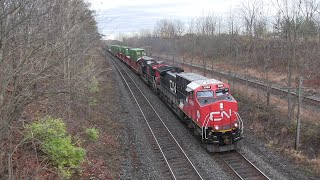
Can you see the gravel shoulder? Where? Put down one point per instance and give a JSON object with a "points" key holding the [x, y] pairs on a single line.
{"points": [[273, 164]]}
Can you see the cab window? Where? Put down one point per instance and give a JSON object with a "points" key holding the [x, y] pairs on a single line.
{"points": [[205, 97], [221, 92], [204, 94]]}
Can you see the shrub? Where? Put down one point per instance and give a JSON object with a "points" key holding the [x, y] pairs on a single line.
{"points": [[64, 154], [47, 128], [94, 85], [93, 134], [93, 102], [57, 145]]}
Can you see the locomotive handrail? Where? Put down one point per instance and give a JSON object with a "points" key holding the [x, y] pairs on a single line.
{"points": [[204, 132], [241, 121]]}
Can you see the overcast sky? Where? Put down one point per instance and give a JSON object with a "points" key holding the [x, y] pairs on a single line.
{"points": [[128, 16]]}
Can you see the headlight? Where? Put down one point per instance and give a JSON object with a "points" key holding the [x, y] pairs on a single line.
{"points": [[216, 128], [236, 124]]}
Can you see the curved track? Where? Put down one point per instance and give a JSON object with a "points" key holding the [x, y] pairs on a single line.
{"points": [[241, 166], [177, 161], [253, 83]]}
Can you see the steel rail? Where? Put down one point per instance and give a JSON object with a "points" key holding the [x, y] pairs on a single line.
{"points": [[170, 166], [241, 166]]}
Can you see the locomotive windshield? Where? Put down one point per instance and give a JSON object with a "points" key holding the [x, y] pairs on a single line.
{"points": [[203, 94], [205, 97]]}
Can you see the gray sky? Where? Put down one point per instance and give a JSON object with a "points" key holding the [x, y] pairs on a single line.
{"points": [[128, 16]]}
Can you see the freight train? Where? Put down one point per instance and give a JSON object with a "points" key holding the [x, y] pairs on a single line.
{"points": [[206, 105]]}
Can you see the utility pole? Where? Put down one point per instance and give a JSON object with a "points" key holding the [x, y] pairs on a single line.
{"points": [[268, 93], [298, 113], [174, 48]]}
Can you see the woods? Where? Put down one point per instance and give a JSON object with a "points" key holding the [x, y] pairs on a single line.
{"points": [[46, 58], [277, 37]]}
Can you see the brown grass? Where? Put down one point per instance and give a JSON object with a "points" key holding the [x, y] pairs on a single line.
{"points": [[276, 76], [311, 165]]}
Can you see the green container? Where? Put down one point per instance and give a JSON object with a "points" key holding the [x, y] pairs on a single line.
{"points": [[136, 53], [125, 50], [114, 49]]}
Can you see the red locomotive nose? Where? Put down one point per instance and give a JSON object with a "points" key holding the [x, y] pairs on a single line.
{"points": [[220, 115]]}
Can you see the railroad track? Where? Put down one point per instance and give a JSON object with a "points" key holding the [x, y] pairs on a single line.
{"points": [[241, 166], [178, 163], [253, 83]]}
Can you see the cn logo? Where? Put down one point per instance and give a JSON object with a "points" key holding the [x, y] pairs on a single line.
{"points": [[218, 116], [173, 86]]}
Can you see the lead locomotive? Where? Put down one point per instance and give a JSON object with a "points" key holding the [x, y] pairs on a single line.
{"points": [[206, 105]]}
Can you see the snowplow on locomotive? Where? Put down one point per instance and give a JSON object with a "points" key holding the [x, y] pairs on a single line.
{"points": [[206, 105]]}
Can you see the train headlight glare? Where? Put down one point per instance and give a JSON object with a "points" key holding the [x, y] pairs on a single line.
{"points": [[216, 127], [236, 124]]}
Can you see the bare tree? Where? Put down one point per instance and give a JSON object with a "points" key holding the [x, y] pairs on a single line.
{"points": [[291, 21], [251, 12], [43, 47], [169, 31]]}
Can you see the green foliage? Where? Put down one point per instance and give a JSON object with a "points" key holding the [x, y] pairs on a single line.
{"points": [[93, 134], [57, 145], [47, 128], [93, 102], [64, 154], [94, 85], [93, 88]]}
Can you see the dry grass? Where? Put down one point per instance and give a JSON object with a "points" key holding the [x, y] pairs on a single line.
{"points": [[296, 155], [275, 76], [316, 163], [310, 165]]}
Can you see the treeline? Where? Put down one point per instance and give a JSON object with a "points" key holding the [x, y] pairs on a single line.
{"points": [[282, 36], [46, 52]]}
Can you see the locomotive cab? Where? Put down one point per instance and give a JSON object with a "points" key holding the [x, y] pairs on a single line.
{"points": [[221, 124], [210, 106]]}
